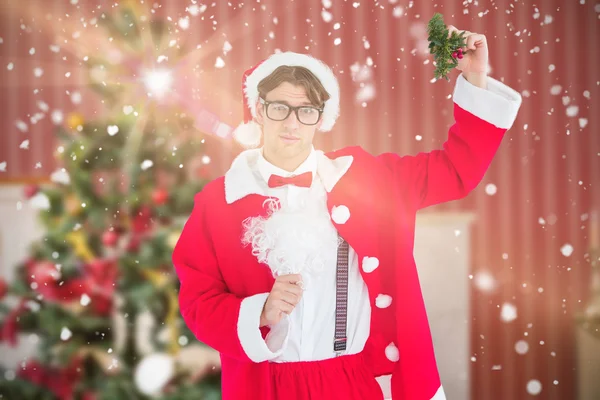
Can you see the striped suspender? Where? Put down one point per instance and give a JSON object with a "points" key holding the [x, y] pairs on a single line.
{"points": [[341, 298]]}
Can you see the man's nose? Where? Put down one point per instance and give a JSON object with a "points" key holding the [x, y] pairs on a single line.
{"points": [[292, 121]]}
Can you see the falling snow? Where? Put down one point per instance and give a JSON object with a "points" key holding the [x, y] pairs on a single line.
{"points": [[85, 300], [3, 166], [491, 189], [522, 347], [146, 164], [219, 63], [485, 281], [112, 130], [22, 126], [57, 117], [184, 23], [566, 250], [226, 47], [508, 312], [534, 387], [65, 334], [61, 176], [572, 111], [76, 97], [40, 202]]}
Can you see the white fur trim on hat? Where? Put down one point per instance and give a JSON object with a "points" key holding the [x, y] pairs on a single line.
{"points": [[325, 75], [248, 134]]}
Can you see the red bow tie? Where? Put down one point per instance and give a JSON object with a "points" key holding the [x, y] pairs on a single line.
{"points": [[303, 180]]}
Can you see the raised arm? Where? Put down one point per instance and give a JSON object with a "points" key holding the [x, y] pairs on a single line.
{"points": [[482, 116]]}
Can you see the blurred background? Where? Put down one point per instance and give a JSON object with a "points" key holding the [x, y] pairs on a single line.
{"points": [[114, 113]]}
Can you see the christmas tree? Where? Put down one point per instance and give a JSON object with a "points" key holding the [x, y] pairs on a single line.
{"points": [[98, 291]]}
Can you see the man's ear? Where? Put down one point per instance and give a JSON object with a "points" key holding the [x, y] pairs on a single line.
{"points": [[260, 110]]}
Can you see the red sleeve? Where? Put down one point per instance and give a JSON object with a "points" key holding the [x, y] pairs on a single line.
{"points": [[482, 116], [220, 319]]}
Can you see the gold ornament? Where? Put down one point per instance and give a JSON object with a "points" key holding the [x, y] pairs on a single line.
{"points": [[80, 246], [74, 120], [172, 239], [72, 205], [159, 279]]}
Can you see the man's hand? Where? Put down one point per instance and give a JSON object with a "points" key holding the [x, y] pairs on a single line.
{"points": [[284, 296], [475, 61]]}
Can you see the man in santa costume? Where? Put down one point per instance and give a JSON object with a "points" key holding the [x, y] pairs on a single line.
{"points": [[297, 265]]}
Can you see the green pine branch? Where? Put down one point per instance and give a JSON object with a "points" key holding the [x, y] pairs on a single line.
{"points": [[441, 45]]}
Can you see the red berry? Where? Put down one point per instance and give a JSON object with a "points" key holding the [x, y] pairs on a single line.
{"points": [[30, 190], [110, 238], [454, 54], [460, 56], [460, 50]]}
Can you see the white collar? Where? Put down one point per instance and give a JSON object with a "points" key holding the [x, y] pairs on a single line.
{"points": [[241, 180]]}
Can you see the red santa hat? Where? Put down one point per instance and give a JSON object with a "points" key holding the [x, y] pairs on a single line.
{"points": [[248, 133]]}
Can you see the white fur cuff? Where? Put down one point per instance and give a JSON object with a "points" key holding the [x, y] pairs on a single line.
{"points": [[439, 395], [248, 329], [498, 105]]}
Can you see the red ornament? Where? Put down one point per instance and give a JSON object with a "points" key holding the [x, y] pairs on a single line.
{"points": [[30, 190], [110, 238], [3, 288], [134, 244], [44, 273], [160, 196], [141, 222], [89, 396]]}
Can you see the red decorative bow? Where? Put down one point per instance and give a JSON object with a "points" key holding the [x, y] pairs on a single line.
{"points": [[303, 180]]}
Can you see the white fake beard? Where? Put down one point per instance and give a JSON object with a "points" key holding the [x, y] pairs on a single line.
{"points": [[294, 240]]}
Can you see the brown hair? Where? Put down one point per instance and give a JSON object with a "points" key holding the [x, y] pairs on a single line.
{"points": [[298, 76]]}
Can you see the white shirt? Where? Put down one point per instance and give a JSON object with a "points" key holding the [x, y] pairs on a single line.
{"points": [[312, 323]]}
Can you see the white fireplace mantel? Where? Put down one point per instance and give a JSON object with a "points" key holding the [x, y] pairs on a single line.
{"points": [[442, 253]]}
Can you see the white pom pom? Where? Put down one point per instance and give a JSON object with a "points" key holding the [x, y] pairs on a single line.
{"points": [[340, 214], [383, 301], [370, 264], [248, 135], [153, 373], [392, 353]]}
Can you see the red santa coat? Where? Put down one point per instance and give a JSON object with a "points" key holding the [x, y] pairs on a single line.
{"points": [[373, 201]]}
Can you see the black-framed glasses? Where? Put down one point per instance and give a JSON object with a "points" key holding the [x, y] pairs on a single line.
{"points": [[276, 111]]}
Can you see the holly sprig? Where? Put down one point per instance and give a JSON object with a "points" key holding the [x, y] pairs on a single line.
{"points": [[446, 50]]}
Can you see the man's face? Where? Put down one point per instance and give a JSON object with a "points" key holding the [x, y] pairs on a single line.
{"points": [[288, 138]]}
